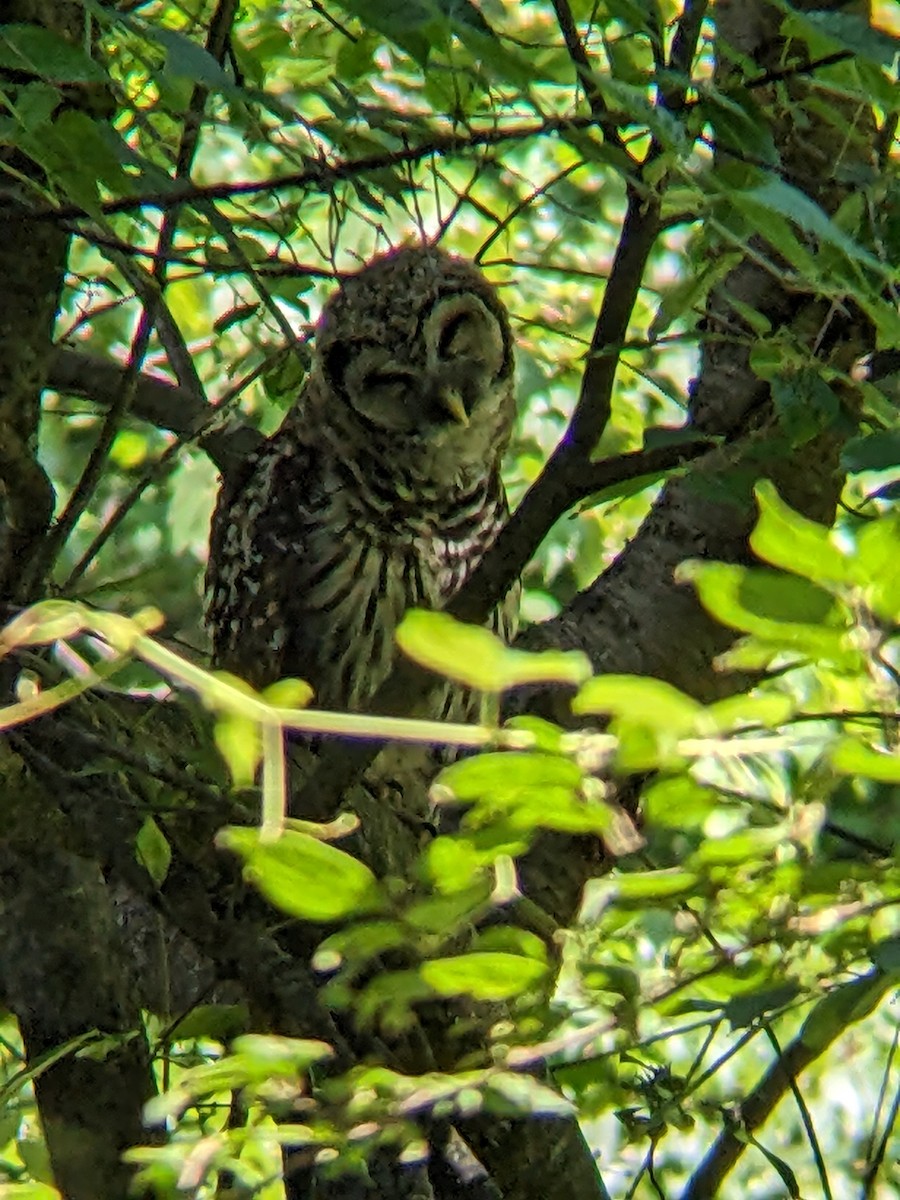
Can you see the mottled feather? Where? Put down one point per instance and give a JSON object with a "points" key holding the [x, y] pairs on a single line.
{"points": [[381, 490]]}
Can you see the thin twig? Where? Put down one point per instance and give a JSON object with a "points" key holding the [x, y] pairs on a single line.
{"points": [[323, 176], [805, 1117]]}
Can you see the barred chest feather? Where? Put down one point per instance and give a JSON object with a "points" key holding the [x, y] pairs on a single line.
{"points": [[314, 561]]}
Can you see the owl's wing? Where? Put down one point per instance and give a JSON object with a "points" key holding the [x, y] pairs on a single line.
{"points": [[259, 551]]}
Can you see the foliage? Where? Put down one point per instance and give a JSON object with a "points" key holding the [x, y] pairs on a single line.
{"points": [[217, 170]]}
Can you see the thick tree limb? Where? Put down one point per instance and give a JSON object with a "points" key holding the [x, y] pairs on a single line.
{"points": [[226, 440]]}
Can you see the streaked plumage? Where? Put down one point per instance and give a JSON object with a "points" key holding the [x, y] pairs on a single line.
{"points": [[381, 490]]}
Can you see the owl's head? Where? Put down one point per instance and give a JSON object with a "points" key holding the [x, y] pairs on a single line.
{"points": [[417, 349]]}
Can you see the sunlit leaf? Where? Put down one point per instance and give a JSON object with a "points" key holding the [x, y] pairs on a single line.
{"points": [[852, 757], [520, 1093], [786, 539], [304, 876], [678, 803], [501, 776], [476, 657], [239, 741], [736, 849], [653, 885], [650, 702], [790, 613], [288, 693], [877, 563], [483, 976]]}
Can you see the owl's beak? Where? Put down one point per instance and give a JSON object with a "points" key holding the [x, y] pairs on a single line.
{"points": [[453, 403]]}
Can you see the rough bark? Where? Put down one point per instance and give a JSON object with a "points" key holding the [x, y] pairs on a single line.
{"points": [[62, 963]]}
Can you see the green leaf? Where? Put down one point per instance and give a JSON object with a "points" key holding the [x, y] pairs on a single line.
{"points": [[523, 1094], [304, 876], [37, 51], [789, 613], [187, 59], [652, 885], [678, 803], [791, 541], [511, 940], [547, 736], [503, 776], [739, 123], [288, 693], [686, 296], [648, 702], [737, 712], [852, 757], [359, 943], [877, 563], [850, 30], [472, 655], [440, 911], [805, 404], [737, 849], [489, 976], [153, 851], [744, 1010], [219, 1021], [239, 741], [414, 25], [784, 1172], [873, 452], [455, 865], [782, 199], [842, 1006]]}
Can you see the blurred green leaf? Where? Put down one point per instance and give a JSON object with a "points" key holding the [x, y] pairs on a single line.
{"points": [[786, 539], [653, 885], [153, 851], [744, 1010], [503, 776], [877, 562], [678, 803], [304, 876], [852, 757], [872, 452], [288, 693], [736, 849], [643, 701], [476, 657], [239, 741], [789, 613], [521, 1093], [490, 976], [220, 1022], [38, 51]]}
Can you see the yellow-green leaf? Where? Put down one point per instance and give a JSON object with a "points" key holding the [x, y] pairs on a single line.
{"points": [[484, 976], [786, 539], [239, 741], [472, 655], [304, 876]]}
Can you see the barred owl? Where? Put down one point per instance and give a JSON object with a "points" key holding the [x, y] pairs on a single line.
{"points": [[381, 490]]}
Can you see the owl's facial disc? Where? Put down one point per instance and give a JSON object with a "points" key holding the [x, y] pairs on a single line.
{"points": [[461, 331]]}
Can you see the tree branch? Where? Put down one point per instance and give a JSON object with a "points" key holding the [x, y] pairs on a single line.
{"points": [[324, 176], [828, 1020], [224, 437]]}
